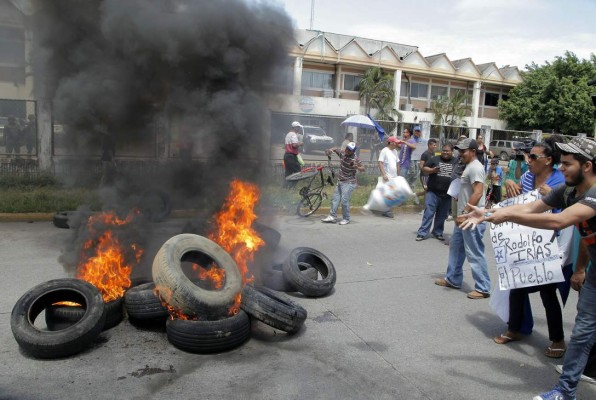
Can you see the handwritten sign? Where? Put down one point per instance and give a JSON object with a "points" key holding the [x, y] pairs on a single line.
{"points": [[525, 256]]}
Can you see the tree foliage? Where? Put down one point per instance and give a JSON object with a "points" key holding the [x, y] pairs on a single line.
{"points": [[554, 96], [376, 87]]}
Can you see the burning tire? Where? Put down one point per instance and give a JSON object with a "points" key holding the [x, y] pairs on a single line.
{"points": [[180, 292], [270, 236], [209, 336], [59, 317], [302, 283], [273, 308], [272, 277], [142, 304], [62, 343]]}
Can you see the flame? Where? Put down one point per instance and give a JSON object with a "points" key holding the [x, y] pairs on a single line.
{"points": [[216, 276], [234, 231], [103, 261], [164, 294], [67, 303]]}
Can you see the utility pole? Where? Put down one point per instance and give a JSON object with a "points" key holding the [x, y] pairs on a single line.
{"points": [[312, 13]]}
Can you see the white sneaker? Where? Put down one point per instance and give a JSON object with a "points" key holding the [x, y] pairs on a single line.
{"points": [[583, 378], [344, 222], [329, 219]]}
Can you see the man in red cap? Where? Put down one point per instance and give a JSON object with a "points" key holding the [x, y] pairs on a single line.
{"points": [[388, 163]]}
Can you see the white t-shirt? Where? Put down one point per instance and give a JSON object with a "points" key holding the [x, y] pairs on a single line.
{"points": [[389, 158]]}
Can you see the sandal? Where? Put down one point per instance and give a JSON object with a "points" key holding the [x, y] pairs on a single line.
{"points": [[553, 352], [506, 337]]}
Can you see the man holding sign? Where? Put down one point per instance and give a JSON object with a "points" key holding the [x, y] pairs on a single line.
{"points": [[578, 201]]}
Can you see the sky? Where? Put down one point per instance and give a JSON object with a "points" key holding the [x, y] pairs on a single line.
{"points": [[507, 32]]}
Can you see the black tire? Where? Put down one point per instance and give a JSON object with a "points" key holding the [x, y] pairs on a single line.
{"points": [[62, 343], [70, 219], [309, 204], [504, 156], [183, 294], [273, 308], [209, 336], [298, 176], [155, 205], [142, 304], [306, 286], [61, 317], [272, 277], [270, 236]]}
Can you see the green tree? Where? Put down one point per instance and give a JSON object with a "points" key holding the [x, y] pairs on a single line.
{"points": [[554, 96], [376, 87]]}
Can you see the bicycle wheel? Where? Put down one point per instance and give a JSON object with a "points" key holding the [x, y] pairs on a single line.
{"points": [[309, 204], [298, 176]]}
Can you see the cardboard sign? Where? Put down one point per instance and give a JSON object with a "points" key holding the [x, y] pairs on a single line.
{"points": [[525, 256]]}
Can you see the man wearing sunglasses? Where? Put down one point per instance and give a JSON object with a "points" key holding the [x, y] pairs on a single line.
{"points": [[577, 198]]}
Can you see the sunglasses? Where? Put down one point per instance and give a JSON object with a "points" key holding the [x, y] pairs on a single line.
{"points": [[535, 157]]}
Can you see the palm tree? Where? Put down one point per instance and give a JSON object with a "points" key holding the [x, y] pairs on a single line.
{"points": [[451, 111], [376, 87]]}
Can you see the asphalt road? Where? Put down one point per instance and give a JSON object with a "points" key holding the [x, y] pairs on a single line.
{"points": [[385, 332]]}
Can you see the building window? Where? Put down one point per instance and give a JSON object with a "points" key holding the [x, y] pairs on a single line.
{"points": [[317, 80], [436, 91], [419, 90], [491, 99], [505, 97], [351, 82]]}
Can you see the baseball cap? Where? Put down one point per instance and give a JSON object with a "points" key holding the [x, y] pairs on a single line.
{"points": [[351, 146], [417, 128], [582, 146], [296, 124], [392, 139], [494, 160], [467, 144]]}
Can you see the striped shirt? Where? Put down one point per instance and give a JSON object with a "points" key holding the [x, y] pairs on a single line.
{"points": [[528, 179], [348, 167]]}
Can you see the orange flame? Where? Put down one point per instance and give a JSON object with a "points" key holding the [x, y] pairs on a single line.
{"points": [[103, 259], [234, 231], [164, 294], [216, 276], [67, 303]]}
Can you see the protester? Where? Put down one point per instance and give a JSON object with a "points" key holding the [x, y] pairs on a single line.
{"points": [[437, 202], [29, 133], [12, 136], [414, 169], [405, 154], [495, 176], [388, 163], [346, 182], [376, 144], [577, 198], [544, 177], [483, 153], [292, 145], [431, 148], [515, 169], [468, 244]]}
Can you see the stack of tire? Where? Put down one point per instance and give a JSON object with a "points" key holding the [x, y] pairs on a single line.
{"points": [[70, 329], [300, 272], [213, 330]]}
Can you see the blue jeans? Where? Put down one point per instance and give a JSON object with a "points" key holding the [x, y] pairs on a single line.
{"points": [[468, 244], [343, 191], [438, 207], [581, 342]]}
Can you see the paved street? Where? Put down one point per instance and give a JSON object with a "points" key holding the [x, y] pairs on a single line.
{"points": [[385, 332]]}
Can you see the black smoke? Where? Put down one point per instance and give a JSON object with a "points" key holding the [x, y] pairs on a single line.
{"points": [[199, 69]]}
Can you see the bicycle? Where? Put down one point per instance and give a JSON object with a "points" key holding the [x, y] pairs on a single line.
{"points": [[312, 196]]}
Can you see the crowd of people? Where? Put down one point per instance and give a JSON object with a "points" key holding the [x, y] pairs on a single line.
{"points": [[19, 133], [563, 174]]}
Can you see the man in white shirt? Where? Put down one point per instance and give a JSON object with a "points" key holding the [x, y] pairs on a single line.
{"points": [[388, 162]]}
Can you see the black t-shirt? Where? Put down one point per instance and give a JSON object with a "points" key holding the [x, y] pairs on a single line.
{"points": [[587, 229], [427, 155], [438, 183]]}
